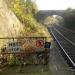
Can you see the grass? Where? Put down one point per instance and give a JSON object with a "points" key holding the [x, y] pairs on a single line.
{"points": [[45, 73], [26, 70]]}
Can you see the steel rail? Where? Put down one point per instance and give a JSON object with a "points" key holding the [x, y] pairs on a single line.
{"points": [[62, 47], [65, 37]]}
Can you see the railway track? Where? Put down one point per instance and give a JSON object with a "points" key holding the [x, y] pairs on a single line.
{"points": [[67, 33], [65, 38]]}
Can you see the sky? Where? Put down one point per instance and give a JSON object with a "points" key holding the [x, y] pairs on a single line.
{"points": [[55, 4]]}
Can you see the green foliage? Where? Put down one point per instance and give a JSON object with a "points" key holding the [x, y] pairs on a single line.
{"points": [[60, 20], [31, 6], [24, 11], [69, 16], [21, 11], [26, 7], [12, 60], [50, 20]]}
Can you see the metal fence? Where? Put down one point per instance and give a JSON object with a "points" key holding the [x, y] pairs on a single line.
{"points": [[23, 50]]}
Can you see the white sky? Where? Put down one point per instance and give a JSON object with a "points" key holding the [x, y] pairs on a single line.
{"points": [[55, 4]]}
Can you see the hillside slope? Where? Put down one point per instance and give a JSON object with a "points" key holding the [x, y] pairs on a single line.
{"points": [[9, 24]]}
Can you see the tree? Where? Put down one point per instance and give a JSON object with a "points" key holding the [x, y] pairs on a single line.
{"points": [[50, 20], [60, 20], [69, 18]]}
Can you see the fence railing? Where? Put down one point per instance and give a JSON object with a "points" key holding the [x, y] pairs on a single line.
{"points": [[23, 50]]}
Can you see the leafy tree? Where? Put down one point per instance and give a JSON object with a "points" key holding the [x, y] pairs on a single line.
{"points": [[69, 18], [50, 20], [60, 20]]}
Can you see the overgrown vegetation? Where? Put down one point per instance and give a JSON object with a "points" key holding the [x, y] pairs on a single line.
{"points": [[50, 20], [69, 18], [25, 10]]}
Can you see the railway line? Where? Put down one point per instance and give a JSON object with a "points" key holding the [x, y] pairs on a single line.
{"points": [[66, 41], [70, 35]]}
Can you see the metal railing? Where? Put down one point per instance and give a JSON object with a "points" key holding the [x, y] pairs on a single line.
{"points": [[20, 51]]}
